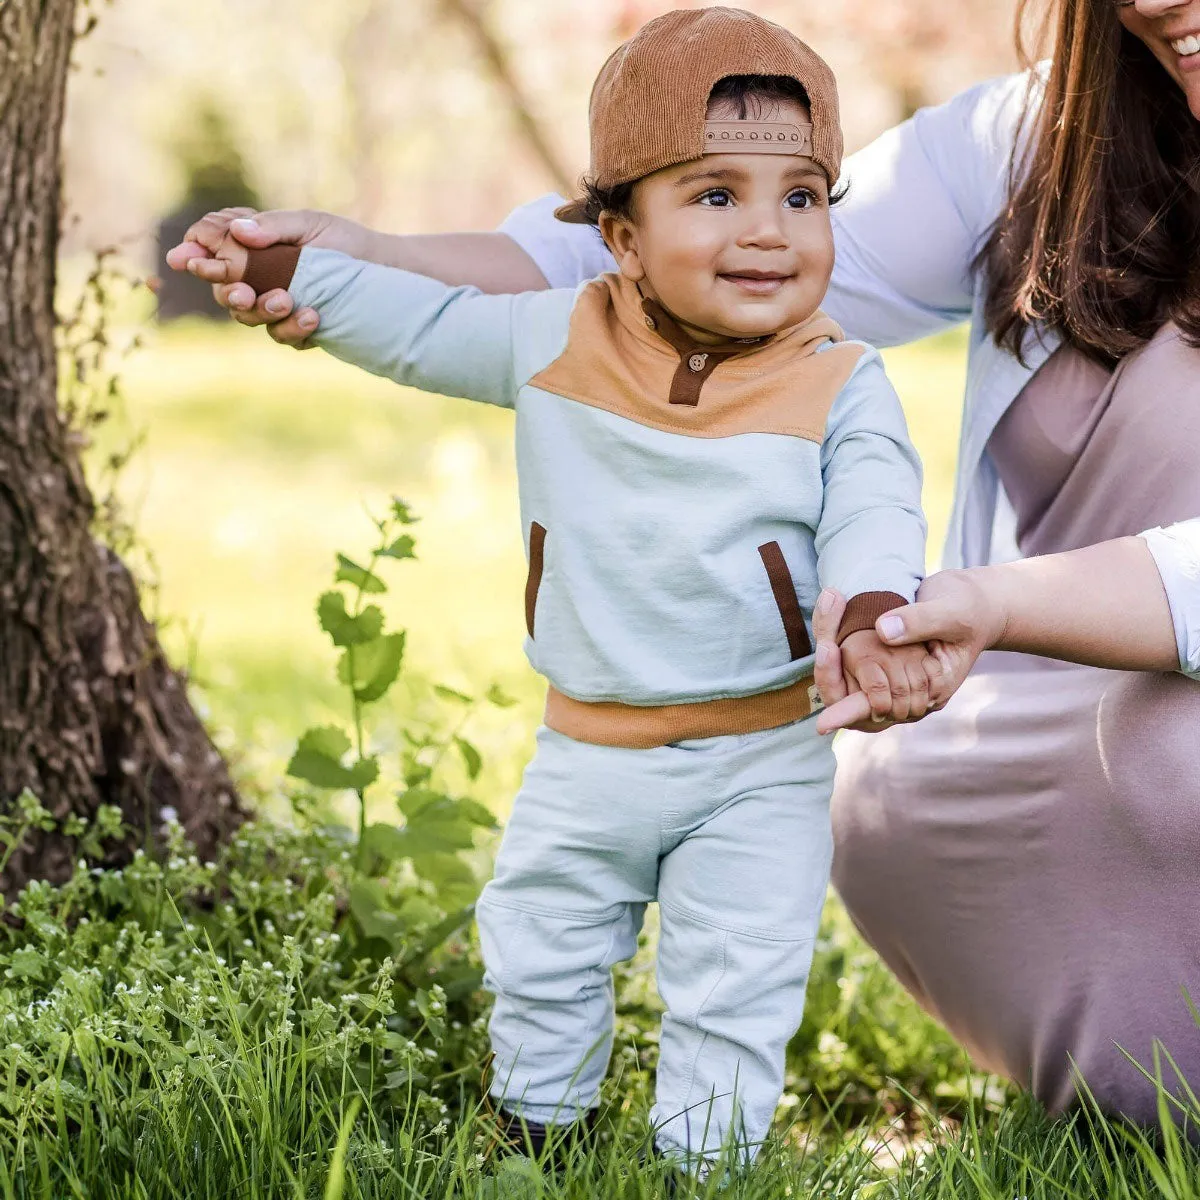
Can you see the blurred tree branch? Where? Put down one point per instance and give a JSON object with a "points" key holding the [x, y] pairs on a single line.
{"points": [[499, 60]]}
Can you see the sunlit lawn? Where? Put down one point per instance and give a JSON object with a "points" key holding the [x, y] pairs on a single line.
{"points": [[258, 465]]}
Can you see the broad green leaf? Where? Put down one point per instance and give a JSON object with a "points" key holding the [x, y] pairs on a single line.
{"points": [[453, 879], [318, 760], [376, 666], [385, 840], [438, 831], [416, 799], [350, 572], [328, 740], [472, 759], [417, 912], [402, 547], [344, 629], [475, 812], [448, 693], [418, 803], [500, 698], [26, 963], [368, 903], [363, 773]]}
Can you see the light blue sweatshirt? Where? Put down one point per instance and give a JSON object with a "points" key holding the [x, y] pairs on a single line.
{"points": [[682, 507]]}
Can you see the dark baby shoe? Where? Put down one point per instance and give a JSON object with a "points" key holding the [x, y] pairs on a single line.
{"points": [[518, 1136]]}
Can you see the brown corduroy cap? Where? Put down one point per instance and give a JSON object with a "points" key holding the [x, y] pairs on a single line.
{"points": [[650, 100]]}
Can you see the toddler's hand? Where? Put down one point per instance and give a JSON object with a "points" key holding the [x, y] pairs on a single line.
{"points": [[233, 256], [207, 252], [898, 681]]}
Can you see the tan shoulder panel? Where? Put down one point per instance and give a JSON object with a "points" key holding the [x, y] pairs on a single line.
{"points": [[784, 387]]}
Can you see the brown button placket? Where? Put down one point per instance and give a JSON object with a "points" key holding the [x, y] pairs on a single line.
{"points": [[696, 361]]}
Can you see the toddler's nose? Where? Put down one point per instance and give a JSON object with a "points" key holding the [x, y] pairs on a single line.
{"points": [[763, 228]]}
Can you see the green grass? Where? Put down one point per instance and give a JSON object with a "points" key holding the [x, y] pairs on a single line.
{"points": [[221, 1030]]}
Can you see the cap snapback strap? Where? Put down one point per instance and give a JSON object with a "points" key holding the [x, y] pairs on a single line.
{"points": [[757, 137]]}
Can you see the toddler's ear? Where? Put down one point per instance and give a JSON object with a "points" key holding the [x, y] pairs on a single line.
{"points": [[621, 238]]}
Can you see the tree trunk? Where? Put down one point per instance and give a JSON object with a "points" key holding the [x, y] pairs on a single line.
{"points": [[90, 711]]}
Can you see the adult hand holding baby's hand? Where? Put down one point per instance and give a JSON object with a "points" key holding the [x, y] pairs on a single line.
{"points": [[954, 615], [214, 250], [896, 682]]}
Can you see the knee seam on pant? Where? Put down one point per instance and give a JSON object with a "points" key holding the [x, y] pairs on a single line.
{"points": [[600, 994], [741, 930], [691, 1075], [612, 913]]}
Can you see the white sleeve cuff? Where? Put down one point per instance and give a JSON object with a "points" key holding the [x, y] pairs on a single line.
{"points": [[1176, 552], [567, 255]]}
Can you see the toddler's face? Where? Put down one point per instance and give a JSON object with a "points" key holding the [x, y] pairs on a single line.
{"points": [[734, 245]]}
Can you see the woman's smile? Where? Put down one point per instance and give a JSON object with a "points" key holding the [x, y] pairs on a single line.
{"points": [[1170, 30], [1187, 48]]}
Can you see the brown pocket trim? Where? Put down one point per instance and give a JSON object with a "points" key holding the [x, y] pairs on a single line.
{"points": [[533, 581], [799, 643]]}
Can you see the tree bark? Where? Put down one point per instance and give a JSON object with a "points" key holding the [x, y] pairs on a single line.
{"points": [[91, 713]]}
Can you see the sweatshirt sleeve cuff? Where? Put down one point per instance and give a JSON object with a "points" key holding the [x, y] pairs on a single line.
{"points": [[863, 610], [271, 268]]}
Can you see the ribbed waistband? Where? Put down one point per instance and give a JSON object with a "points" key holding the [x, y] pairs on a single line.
{"points": [[643, 727]]}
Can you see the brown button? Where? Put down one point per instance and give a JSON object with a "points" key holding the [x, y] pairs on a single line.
{"points": [[696, 362]]}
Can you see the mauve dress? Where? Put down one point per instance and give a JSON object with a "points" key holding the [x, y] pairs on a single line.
{"points": [[1027, 861]]}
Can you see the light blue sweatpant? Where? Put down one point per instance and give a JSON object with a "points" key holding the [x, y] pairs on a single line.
{"points": [[731, 836]]}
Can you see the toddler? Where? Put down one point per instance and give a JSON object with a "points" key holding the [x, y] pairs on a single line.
{"points": [[699, 452]]}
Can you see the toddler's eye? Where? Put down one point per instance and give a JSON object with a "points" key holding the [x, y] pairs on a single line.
{"points": [[801, 199], [717, 198]]}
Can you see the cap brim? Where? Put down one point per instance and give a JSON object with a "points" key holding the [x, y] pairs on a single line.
{"points": [[574, 213]]}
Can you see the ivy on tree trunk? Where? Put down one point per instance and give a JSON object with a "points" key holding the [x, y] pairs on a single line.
{"points": [[91, 713]]}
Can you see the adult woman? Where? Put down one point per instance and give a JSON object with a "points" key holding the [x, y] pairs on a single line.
{"points": [[1013, 858]]}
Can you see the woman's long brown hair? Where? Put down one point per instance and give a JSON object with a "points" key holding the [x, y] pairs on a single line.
{"points": [[1101, 237]]}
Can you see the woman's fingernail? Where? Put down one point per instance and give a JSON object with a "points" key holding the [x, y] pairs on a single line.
{"points": [[276, 306], [244, 225], [822, 654], [891, 627], [308, 321], [825, 601]]}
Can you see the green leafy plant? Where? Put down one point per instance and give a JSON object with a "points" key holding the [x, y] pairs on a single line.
{"points": [[437, 834]]}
